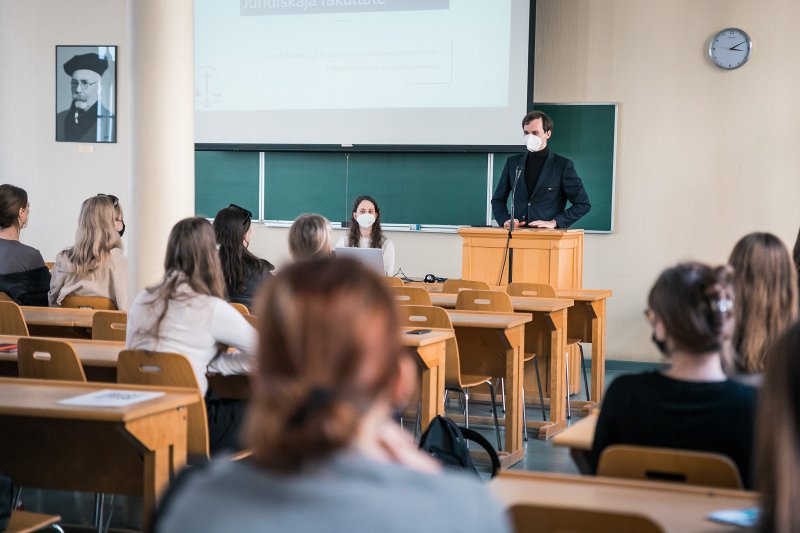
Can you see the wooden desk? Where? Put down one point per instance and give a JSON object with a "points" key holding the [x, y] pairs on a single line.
{"points": [[579, 438], [134, 450], [676, 508], [479, 335], [99, 358], [548, 330], [58, 321], [431, 351]]}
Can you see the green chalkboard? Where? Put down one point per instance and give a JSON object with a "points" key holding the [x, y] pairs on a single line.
{"points": [[430, 188], [224, 178]]}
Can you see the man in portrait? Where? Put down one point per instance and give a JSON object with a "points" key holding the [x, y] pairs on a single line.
{"points": [[87, 119]]}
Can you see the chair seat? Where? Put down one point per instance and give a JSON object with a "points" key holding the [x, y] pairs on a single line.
{"points": [[25, 521], [570, 342], [528, 356], [468, 380]]}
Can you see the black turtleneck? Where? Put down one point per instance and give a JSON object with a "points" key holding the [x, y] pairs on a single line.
{"points": [[534, 162]]}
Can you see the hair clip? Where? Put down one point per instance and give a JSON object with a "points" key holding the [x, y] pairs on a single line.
{"points": [[723, 305]]}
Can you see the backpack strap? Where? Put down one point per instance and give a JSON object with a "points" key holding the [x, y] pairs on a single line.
{"points": [[479, 439]]}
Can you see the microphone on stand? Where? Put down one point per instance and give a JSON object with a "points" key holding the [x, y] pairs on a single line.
{"points": [[513, 197], [509, 252]]}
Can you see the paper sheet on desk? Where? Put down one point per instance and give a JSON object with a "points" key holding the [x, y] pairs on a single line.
{"points": [[111, 398]]}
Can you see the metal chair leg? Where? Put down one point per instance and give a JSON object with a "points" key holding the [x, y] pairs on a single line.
{"points": [[494, 412], [418, 421], [524, 416], [539, 384], [503, 392], [569, 409], [465, 392], [583, 367], [99, 499]]}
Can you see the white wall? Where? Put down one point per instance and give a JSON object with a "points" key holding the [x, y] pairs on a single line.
{"points": [[56, 176], [704, 156]]}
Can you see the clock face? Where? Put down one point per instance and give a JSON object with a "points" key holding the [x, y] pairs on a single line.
{"points": [[730, 48]]}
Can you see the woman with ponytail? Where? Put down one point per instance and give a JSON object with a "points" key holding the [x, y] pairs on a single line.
{"points": [[327, 454], [692, 404]]}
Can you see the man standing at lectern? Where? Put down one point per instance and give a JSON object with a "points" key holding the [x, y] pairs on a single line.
{"points": [[542, 183]]}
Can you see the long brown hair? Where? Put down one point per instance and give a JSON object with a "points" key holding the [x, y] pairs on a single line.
{"points": [[796, 256], [12, 199], [376, 235], [95, 236], [778, 436], [766, 290], [230, 227], [328, 349], [695, 302], [191, 260]]}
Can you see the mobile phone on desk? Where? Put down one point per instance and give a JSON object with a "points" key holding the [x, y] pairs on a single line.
{"points": [[418, 331]]}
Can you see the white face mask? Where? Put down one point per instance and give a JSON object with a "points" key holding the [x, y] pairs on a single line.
{"points": [[533, 143], [365, 220]]}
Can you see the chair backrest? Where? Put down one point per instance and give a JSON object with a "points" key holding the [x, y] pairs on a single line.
{"points": [[540, 519], [451, 286], [411, 296], [5, 297], [666, 464], [241, 308], [392, 281], [424, 316], [140, 367], [484, 301], [39, 358], [88, 302], [537, 290], [11, 320], [109, 325]]}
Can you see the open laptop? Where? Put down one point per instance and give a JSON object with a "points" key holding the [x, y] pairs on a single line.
{"points": [[372, 258]]}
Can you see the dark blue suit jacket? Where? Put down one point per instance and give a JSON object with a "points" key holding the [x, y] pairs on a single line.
{"points": [[557, 183]]}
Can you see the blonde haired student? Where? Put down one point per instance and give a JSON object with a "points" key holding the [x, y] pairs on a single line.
{"points": [[96, 264], [310, 237]]}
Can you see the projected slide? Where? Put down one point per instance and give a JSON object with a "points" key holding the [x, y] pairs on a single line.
{"points": [[349, 56]]}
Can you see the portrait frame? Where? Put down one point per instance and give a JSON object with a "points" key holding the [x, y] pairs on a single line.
{"points": [[86, 93]]}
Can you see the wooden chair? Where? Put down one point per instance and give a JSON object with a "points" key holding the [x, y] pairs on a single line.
{"points": [[411, 296], [50, 265], [27, 522], [540, 519], [5, 297], [88, 302], [39, 358], [11, 320], [392, 281], [452, 286], [140, 367], [500, 302], [667, 464], [252, 320], [454, 380], [241, 308], [109, 325], [542, 290]]}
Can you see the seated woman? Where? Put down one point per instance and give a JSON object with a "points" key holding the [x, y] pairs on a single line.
{"points": [[796, 256], [778, 442], [327, 455], [119, 218], [96, 264], [184, 313], [310, 237], [692, 405], [23, 275], [244, 273], [365, 231], [766, 300]]}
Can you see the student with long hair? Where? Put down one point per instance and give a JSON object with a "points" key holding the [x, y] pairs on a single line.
{"points": [[23, 275], [244, 273], [119, 216], [327, 454], [765, 280], [96, 264], [778, 441], [185, 313], [310, 237], [691, 405], [796, 256], [365, 231]]}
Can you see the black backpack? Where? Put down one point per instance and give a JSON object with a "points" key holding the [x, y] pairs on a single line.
{"points": [[6, 500], [445, 441]]}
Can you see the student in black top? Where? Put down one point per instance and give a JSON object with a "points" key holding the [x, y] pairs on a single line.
{"points": [[691, 405], [244, 272], [23, 274]]}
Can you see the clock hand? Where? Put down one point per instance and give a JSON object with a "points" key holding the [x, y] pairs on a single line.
{"points": [[737, 46]]}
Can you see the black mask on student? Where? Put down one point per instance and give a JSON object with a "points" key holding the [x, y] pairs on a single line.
{"points": [[122, 231], [661, 345]]}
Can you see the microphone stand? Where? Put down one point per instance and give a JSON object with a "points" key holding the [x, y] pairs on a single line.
{"points": [[509, 250]]}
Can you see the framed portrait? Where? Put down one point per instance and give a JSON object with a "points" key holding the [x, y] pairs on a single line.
{"points": [[86, 94]]}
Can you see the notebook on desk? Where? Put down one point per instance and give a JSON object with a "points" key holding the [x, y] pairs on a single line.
{"points": [[372, 258]]}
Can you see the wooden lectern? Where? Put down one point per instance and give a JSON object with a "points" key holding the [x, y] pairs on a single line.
{"points": [[552, 256]]}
